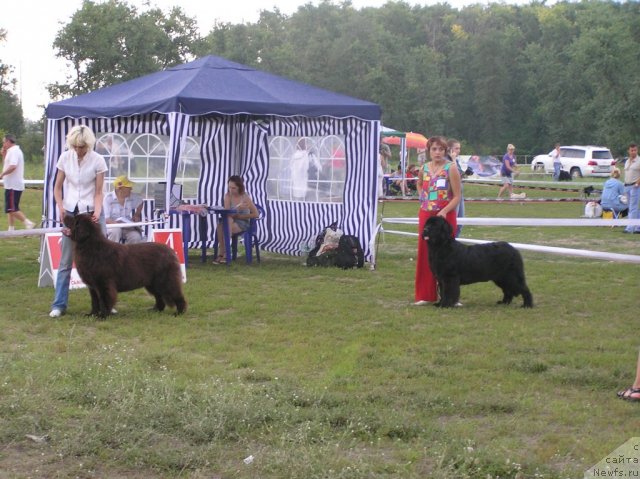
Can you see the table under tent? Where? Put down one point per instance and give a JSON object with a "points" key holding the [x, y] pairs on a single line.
{"points": [[308, 156]]}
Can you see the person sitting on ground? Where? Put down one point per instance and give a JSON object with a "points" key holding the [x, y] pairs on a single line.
{"points": [[632, 393], [613, 196], [123, 206], [235, 198]]}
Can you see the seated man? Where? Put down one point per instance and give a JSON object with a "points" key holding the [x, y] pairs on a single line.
{"points": [[123, 206]]}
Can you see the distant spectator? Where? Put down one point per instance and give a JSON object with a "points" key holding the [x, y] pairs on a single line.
{"points": [[508, 170], [408, 183], [557, 165], [384, 155], [453, 152], [613, 193], [13, 178], [632, 186]]}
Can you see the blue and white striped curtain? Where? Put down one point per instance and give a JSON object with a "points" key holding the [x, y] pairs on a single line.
{"points": [[57, 131], [238, 144]]}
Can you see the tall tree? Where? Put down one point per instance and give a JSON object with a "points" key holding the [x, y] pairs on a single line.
{"points": [[11, 117], [110, 42]]}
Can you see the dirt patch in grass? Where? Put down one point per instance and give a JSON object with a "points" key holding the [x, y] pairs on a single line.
{"points": [[41, 461]]}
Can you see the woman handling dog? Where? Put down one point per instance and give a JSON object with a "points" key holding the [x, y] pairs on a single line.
{"points": [[439, 191], [235, 198], [81, 172]]}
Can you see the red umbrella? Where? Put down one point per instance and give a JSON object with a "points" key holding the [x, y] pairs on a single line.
{"points": [[414, 140]]}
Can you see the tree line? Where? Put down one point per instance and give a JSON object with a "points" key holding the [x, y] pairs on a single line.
{"points": [[488, 75]]}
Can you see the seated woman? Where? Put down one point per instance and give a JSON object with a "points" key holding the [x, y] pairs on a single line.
{"points": [[235, 198], [612, 191], [123, 206]]}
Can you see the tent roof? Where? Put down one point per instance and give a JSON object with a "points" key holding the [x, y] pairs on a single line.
{"points": [[213, 85], [385, 131]]}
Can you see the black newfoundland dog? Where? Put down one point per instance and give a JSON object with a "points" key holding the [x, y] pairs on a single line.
{"points": [[108, 268], [453, 264]]}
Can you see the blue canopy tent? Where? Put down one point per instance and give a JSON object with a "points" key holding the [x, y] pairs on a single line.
{"points": [[242, 121]]}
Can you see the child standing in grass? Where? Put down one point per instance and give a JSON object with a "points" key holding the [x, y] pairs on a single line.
{"points": [[438, 188]]}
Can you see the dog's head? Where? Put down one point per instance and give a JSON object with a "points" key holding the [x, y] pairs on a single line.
{"points": [[81, 227], [437, 231]]}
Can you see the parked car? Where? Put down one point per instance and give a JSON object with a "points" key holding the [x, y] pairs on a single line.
{"points": [[579, 161]]}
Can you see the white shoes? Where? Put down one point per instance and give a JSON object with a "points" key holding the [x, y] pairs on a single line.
{"points": [[422, 303], [29, 224], [56, 313]]}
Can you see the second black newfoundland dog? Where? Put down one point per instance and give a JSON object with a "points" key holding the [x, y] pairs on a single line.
{"points": [[453, 264], [107, 268]]}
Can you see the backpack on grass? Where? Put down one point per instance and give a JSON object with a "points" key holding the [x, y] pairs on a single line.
{"points": [[349, 254], [333, 248]]}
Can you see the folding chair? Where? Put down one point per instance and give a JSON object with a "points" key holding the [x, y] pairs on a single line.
{"points": [[249, 239], [609, 214]]}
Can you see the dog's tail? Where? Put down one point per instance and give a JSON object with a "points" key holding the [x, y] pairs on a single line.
{"points": [[527, 298], [181, 305], [175, 299]]}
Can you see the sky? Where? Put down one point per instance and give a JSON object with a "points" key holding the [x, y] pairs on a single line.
{"points": [[32, 25]]}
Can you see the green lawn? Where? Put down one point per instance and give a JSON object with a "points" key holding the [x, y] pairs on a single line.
{"points": [[324, 373]]}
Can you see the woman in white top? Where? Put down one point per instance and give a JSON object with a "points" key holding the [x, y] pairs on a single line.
{"points": [[77, 189]]}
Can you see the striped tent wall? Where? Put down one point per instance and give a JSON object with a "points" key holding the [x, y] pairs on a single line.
{"points": [[57, 131], [288, 223], [238, 144]]}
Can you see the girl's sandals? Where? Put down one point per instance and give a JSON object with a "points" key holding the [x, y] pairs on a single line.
{"points": [[630, 394], [219, 260]]}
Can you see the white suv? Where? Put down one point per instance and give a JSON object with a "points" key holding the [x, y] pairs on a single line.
{"points": [[579, 161]]}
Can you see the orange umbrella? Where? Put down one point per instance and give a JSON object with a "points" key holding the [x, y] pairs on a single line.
{"points": [[414, 140]]}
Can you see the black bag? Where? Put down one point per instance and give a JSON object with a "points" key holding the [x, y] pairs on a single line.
{"points": [[327, 258], [349, 253]]}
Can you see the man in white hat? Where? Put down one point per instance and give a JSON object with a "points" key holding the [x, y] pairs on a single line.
{"points": [[123, 206]]}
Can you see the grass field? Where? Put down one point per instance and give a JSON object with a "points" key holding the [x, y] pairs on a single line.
{"points": [[323, 373]]}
